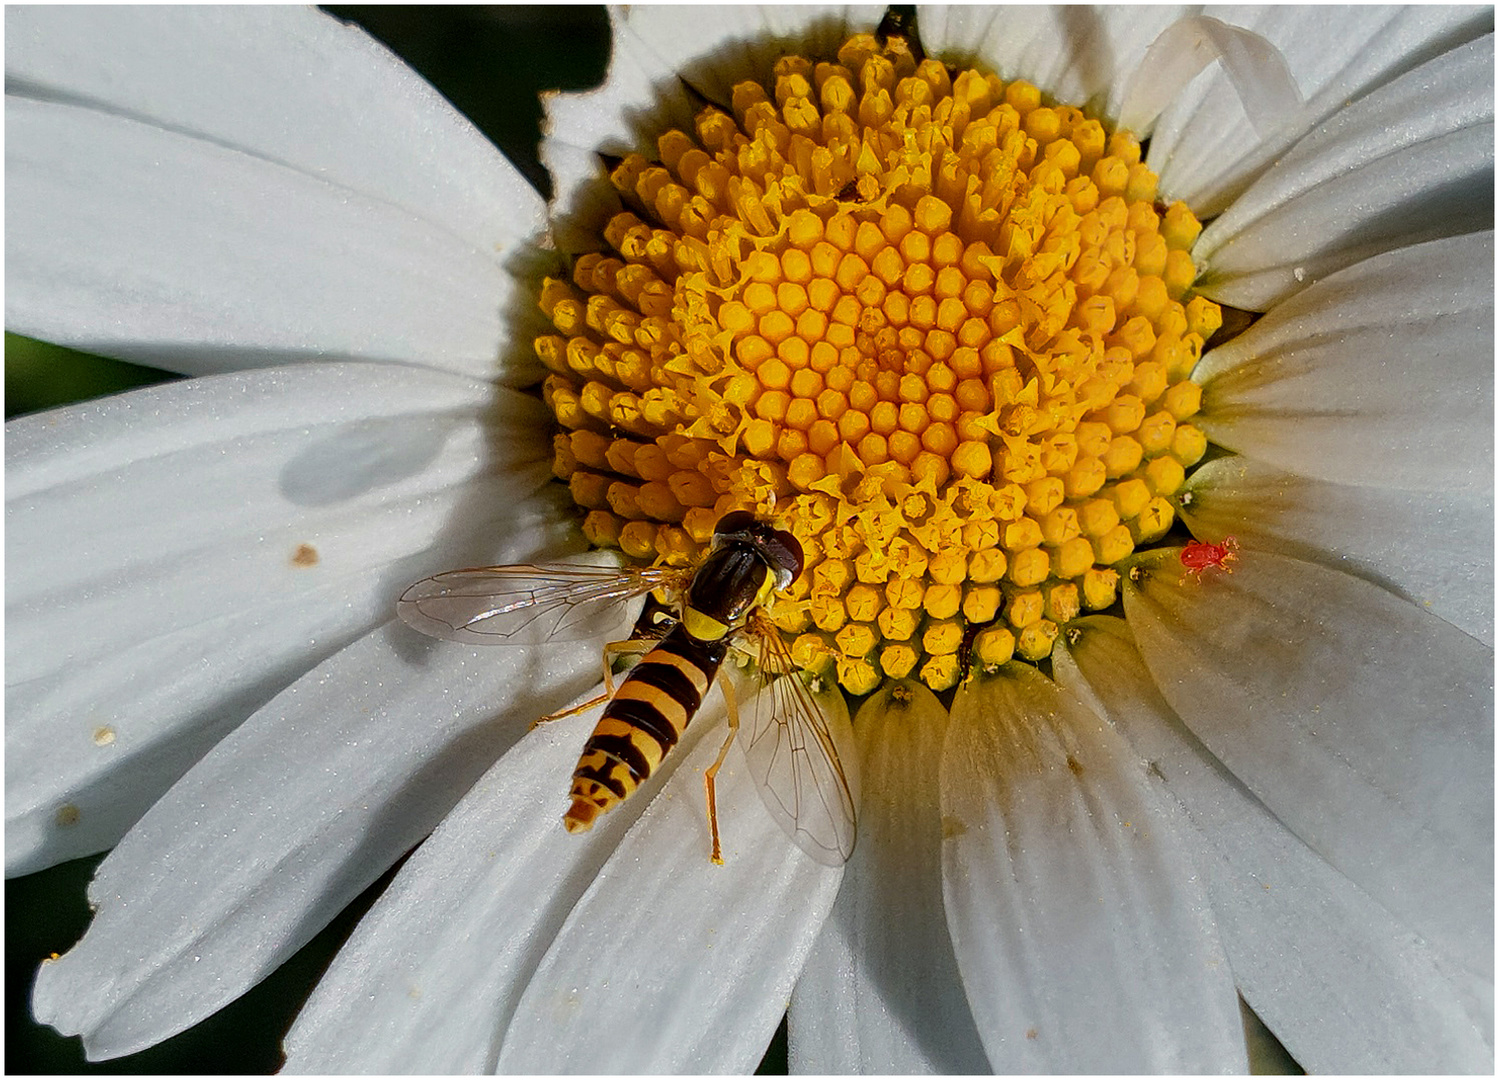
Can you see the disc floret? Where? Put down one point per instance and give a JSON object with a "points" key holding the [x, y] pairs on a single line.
{"points": [[939, 329]]}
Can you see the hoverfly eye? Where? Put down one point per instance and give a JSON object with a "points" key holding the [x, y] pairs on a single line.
{"points": [[788, 552], [736, 521]]}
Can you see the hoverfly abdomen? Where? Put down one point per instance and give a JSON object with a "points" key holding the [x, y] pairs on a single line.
{"points": [[642, 722]]}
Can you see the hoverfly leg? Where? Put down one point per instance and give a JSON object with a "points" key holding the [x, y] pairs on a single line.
{"points": [[612, 649], [597, 699], [712, 771]]}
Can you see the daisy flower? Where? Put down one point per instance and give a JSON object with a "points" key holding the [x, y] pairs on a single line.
{"points": [[1004, 313]]}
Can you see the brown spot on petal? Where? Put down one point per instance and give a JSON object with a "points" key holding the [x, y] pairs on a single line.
{"points": [[306, 555], [103, 736], [68, 815]]}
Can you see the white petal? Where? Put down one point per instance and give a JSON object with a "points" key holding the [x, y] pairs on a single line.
{"points": [[1381, 374], [1411, 162], [730, 43], [1205, 149], [163, 480], [179, 554], [669, 963], [1363, 723], [89, 754], [288, 85], [285, 822], [1256, 69], [1079, 925], [634, 106], [1342, 984], [1478, 999], [1432, 547], [431, 976], [187, 254], [1078, 54], [881, 991], [583, 199]]}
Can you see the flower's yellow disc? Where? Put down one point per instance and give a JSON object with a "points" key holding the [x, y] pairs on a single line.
{"points": [[939, 329]]}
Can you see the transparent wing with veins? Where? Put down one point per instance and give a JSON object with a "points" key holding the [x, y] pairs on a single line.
{"points": [[529, 605], [792, 744]]}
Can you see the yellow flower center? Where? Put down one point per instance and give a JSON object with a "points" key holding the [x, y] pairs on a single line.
{"points": [[938, 329]]}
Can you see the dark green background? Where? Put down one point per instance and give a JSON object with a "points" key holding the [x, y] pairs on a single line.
{"points": [[491, 63]]}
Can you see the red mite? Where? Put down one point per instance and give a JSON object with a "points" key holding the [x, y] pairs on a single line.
{"points": [[1197, 556]]}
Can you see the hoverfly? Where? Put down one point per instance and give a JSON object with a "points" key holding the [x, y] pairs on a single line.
{"points": [[693, 618]]}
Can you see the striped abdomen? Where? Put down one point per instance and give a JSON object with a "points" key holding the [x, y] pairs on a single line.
{"points": [[642, 722]]}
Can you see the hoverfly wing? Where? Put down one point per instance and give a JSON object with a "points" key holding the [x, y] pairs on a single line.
{"points": [[528, 605], [792, 746]]}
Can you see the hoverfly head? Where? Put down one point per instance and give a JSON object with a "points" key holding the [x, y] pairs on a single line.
{"points": [[777, 546]]}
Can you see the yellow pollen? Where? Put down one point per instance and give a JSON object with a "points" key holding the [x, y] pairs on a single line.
{"points": [[939, 328]]}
